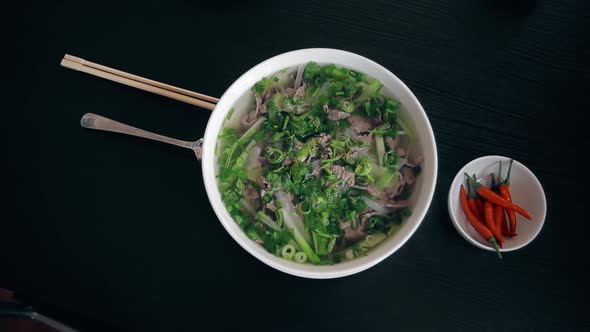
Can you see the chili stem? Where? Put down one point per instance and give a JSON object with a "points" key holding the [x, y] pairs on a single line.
{"points": [[492, 240]]}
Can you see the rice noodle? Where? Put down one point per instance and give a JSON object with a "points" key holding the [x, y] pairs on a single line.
{"points": [[292, 220], [253, 161], [376, 206], [322, 90], [299, 77]]}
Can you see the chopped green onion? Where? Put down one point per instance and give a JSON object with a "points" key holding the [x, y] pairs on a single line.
{"points": [[305, 207], [279, 214], [278, 136], [331, 192], [289, 251], [346, 105], [329, 161], [391, 159], [337, 144], [262, 217], [406, 129], [274, 156], [380, 149], [331, 244], [317, 204], [368, 90], [300, 257], [363, 169]]}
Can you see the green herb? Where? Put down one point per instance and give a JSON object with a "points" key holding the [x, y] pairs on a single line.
{"points": [[311, 71], [368, 90]]}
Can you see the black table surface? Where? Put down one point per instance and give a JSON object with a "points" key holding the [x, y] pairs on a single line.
{"points": [[112, 233]]}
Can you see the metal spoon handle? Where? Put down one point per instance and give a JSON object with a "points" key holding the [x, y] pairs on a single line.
{"points": [[93, 121]]}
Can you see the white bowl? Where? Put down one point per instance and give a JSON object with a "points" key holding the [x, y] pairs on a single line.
{"points": [[239, 94], [526, 192]]}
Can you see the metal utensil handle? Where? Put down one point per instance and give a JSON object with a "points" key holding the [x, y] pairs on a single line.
{"points": [[93, 121]]}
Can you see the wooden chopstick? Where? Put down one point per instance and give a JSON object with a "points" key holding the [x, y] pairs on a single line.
{"points": [[166, 90]]}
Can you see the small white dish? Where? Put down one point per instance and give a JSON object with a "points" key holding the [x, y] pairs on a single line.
{"points": [[526, 192]]}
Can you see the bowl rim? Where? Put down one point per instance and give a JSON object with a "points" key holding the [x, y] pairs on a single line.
{"points": [[457, 180], [231, 95]]}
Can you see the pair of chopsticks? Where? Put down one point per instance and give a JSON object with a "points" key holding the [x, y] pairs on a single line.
{"points": [[166, 90]]}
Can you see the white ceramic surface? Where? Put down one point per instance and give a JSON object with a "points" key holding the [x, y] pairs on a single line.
{"points": [[411, 111], [526, 192]]}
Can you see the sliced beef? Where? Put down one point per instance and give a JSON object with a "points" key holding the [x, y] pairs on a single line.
{"points": [[316, 169], [395, 191], [390, 203], [298, 145], [365, 218], [408, 175], [250, 192], [392, 143], [262, 101], [289, 92], [287, 161], [401, 152], [360, 124], [356, 152], [335, 114], [367, 138], [416, 162], [346, 176], [351, 236], [271, 206], [300, 92], [371, 190], [248, 119], [323, 139]]}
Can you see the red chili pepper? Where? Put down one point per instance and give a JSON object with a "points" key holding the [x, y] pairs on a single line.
{"points": [[497, 209], [488, 210], [476, 223], [504, 190], [494, 198], [478, 203], [499, 216], [472, 200], [506, 231]]}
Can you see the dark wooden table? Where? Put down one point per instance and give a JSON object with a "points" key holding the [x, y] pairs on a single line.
{"points": [[113, 233]]}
